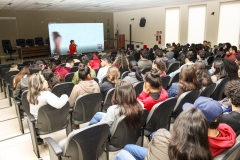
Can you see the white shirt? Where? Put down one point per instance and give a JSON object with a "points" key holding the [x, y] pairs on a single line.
{"points": [[47, 97], [101, 73]]}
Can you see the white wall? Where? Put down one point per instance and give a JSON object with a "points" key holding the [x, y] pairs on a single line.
{"points": [[155, 21]]}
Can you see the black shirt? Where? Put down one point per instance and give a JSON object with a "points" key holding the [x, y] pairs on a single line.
{"points": [[106, 86], [233, 120]]}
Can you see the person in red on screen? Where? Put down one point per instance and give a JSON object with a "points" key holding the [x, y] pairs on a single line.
{"points": [[72, 47]]}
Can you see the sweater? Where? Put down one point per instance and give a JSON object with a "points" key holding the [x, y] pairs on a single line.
{"points": [[47, 97], [225, 139], [131, 78], [173, 90], [76, 79], [149, 102], [83, 87], [95, 63], [72, 49], [62, 71], [144, 64]]}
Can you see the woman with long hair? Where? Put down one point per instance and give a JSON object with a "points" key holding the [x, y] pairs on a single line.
{"points": [[124, 103], [218, 70], [203, 78], [188, 141], [187, 82], [121, 62], [160, 66], [51, 78], [23, 73], [135, 74], [152, 90]]}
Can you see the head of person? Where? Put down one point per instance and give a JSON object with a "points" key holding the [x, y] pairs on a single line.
{"points": [[205, 43], [63, 60], [202, 54], [233, 50], [159, 65], [125, 96], [113, 74], [36, 84], [24, 71], [152, 80], [170, 55], [105, 61], [47, 62], [144, 54], [133, 67], [137, 46], [90, 56], [35, 69], [188, 57], [47, 73], [231, 68], [237, 60], [211, 109], [218, 68], [201, 71], [84, 72], [71, 62], [232, 90], [85, 60], [122, 60], [187, 79], [190, 129], [40, 63], [159, 53], [14, 65], [72, 42], [220, 47], [52, 66]]}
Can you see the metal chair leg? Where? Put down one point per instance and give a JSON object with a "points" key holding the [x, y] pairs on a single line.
{"points": [[9, 95]]}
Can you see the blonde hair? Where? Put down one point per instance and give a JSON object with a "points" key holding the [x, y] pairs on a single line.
{"points": [[113, 74], [35, 86]]}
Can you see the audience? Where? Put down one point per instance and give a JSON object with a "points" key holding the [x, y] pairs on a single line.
{"points": [[94, 62], [124, 103], [14, 67], [121, 62], [51, 78], [112, 77], [105, 63], [135, 74], [203, 78], [23, 73], [160, 66], [152, 90], [218, 70], [187, 82], [144, 62], [86, 85]]}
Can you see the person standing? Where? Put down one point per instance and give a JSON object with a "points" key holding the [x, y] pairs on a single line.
{"points": [[72, 47]]}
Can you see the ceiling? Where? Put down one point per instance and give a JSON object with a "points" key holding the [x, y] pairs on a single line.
{"points": [[89, 5]]}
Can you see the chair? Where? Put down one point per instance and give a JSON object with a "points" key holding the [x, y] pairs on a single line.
{"points": [[165, 81], [26, 63], [151, 56], [83, 144], [230, 154], [104, 79], [159, 116], [174, 78], [108, 100], [96, 80], [1, 67], [85, 107], [63, 88], [207, 91], [7, 48], [122, 135], [3, 71], [145, 70], [30, 42], [124, 74], [20, 42], [74, 69], [69, 77], [9, 76], [49, 120], [39, 41], [138, 88], [185, 97], [219, 89], [173, 67]]}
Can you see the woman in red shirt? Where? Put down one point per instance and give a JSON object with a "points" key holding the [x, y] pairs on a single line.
{"points": [[72, 47]]}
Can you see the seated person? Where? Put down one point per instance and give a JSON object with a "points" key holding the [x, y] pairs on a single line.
{"points": [[152, 90], [187, 82], [135, 74], [112, 77], [203, 78], [218, 70], [51, 78], [62, 71], [220, 136], [105, 63], [40, 63], [63, 61], [121, 62], [70, 63], [160, 66], [23, 84], [177, 146], [124, 103], [202, 56], [144, 62], [94, 62], [232, 90], [14, 67], [86, 85], [84, 60], [170, 57], [159, 54], [23, 73]]}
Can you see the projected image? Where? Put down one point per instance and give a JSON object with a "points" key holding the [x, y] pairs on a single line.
{"points": [[72, 38]]}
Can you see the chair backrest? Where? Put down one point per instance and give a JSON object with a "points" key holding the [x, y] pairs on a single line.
{"points": [[86, 106], [208, 90], [138, 88], [51, 119], [185, 97], [122, 135], [26, 63], [96, 80], [124, 74], [87, 143], [174, 78], [230, 154], [25, 104], [20, 42], [30, 42], [165, 81], [108, 100], [74, 69], [159, 115], [218, 91], [151, 56], [63, 88], [8, 76], [210, 60], [6, 45], [3, 71], [69, 77], [104, 79], [145, 70], [4, 66], [173, 67], [39, 41]]}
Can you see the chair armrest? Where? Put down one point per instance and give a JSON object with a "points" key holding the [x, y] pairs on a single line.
{"points": [[31, 117], [54, 146], [70, 110]]}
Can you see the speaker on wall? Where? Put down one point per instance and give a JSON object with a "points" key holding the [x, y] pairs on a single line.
{"points": [[131, 46], [142, 22]]}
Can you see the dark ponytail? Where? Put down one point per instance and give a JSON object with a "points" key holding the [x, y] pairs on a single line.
{"points": [[153, 78], [133, 65], [83, 71]]}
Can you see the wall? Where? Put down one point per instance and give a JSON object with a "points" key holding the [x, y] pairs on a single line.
{"points": [[155, 21], [31, 24]]}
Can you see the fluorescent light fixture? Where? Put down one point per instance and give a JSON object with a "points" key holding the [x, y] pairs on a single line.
{"points": [[6, 18]]}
